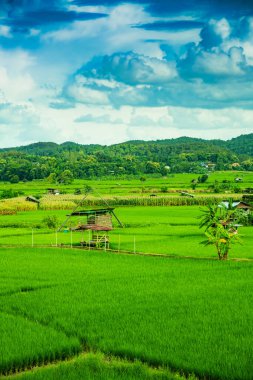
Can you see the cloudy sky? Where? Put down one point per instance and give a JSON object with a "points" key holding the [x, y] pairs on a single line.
{"points": [[95, 71]]}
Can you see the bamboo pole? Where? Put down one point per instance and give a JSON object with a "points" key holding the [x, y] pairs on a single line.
{"points": [[75, 208]]}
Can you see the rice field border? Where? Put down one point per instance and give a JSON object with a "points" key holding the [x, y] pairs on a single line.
{"points": [[121, 252], [106, 359]]}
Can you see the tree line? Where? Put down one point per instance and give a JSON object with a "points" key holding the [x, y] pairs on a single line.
{"points": [[70, 160]]}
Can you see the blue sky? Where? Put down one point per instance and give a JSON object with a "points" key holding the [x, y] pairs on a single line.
{"points": [[95, 71]]}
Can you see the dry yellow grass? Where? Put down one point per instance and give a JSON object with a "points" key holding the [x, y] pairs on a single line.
{"points": [[18, 204], [56, 205]]}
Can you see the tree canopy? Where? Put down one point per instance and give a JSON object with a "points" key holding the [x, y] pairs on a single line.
{"points": [[182, 155]]}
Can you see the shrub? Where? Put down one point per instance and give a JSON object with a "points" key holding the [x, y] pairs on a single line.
{"points": [[203, 178], [250, 219], [51, 221], [9, 193], [237, 189], [14, 179], [66, 177]]}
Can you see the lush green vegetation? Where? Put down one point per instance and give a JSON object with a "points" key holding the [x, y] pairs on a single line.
{"points": [[62, 163], [161, 230], [171, 185], [190, 315], [25, 342], [99, 367], [104, 311]]}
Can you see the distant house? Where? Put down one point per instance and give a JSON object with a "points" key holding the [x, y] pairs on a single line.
{"points": [[210, 166], [235, 165], [239, 205], [53, 191]]}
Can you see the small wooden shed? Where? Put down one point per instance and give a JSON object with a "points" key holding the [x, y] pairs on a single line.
{"points": [[53, 191], [98, 221], [239, 204], [30, 198]]}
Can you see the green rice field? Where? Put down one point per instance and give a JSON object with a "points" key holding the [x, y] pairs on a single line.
{"points": [[133, 186], [159, 230], [155, 304], [189, 316]]}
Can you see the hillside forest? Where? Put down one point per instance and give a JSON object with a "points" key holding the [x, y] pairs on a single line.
{"points": [[63, 162]]}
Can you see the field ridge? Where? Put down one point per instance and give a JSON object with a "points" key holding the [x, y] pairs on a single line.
{"points": [[107, 359], [121, 252]]}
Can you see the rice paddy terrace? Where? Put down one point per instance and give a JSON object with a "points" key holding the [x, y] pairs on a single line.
{"points": [[171, 231], [105, 311], [68, 313]]}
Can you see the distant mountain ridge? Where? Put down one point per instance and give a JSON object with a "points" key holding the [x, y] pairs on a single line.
{"points": [[181, 155], [241, 145]]}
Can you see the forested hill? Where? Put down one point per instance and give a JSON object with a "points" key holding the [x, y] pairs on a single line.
{"points": [[242, 144], [185, 154]]}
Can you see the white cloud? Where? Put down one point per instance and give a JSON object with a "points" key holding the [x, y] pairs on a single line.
{"points": [[17, 121], [127, 97], [131, 68], [215, 32], [117, 32], [119, 18], [22, 124], [151, 117], [218, 63], [5, 31], [17, 114], [15, 79], [88, 8], [16, 60], [103, 119], [86, 95], [221, 28], [207, 124]]}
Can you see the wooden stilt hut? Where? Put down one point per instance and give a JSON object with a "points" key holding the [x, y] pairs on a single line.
{"points": [[99, 222]]}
